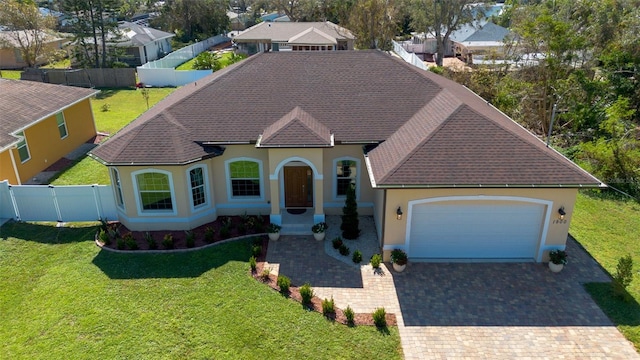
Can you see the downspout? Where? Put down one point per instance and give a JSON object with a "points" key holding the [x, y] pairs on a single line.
{"points": [[15, 167]]}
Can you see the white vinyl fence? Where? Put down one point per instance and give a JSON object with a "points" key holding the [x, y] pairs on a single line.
{"points": [[162, 72], [411, 58], [57, 203]]}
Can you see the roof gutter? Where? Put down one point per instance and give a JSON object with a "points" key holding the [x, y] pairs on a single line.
{"points": [[106, 163], [490, 186]]}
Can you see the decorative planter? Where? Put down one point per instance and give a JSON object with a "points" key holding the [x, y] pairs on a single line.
{"points": [[555, 267], [399, 268], [274, 236], [319, 236]]}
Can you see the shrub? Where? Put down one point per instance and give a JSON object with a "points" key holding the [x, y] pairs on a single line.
{"points": [[380, 317], [349, 314], [253, 264], [306, 292], [623, 276], [208, 234], [399, 257], [103, 237], [242, 228], [167, 241], [357, 257], [225, 231], [337, 242], [350, 223], [328, 306], [191, 239], [319, 227], [256, 250], [120, 243], [207, 61], [376, 260], [257, 241], [105, 107], [130, 241], [284, 283], [150, 241], [265, 274], [273, 228], [344, 250]]}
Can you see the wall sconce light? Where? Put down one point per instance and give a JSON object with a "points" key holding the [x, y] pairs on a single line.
{"points": [[399, 213], [562, 213]]}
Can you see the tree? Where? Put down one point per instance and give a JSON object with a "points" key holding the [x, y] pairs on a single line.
{"points": [[194, 19], [27, 28], [440, 18], [350, 223], [374, 23], [94, 25]]}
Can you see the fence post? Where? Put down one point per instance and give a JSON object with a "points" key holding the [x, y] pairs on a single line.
{"points": [[55, 202], [14, 204], [97, 201]]}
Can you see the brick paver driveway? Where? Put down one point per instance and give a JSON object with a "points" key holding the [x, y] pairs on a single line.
{"points": [[473, 310]]}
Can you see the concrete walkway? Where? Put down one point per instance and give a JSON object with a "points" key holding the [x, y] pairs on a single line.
{"points": [[450, 310]]}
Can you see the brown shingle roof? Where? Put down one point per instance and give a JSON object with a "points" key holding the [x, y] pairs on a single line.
{"points": [[296, 129], [24, 103], [432, 131]]}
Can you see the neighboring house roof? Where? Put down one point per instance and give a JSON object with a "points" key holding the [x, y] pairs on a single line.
{"points": [[312, 36], [489, 32], [24, 103], [138, 35], [9, 38], [283, 31], [431, 131]]}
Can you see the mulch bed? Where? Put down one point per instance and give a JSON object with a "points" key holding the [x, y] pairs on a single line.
{"points": [[60, 165]]}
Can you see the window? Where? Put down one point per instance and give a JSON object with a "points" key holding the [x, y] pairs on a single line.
{"points": [[346, 173], [118, 186], [154, 191], [198, 191], [244, 178], [62, 126], [23, 148]]}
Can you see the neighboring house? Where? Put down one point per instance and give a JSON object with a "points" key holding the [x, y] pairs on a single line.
{"points": [[487, 39], [142, 44], [444, 174], [294, 36], [40, 124], [11, 55]]}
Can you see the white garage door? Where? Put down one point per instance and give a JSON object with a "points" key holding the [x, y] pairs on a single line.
{"points": [[475, 230]]}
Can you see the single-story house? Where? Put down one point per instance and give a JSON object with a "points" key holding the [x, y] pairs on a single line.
{"points": [[40, 124], [11, 55], [142, 44], [444, 174], [294, 36], [486, 39]]}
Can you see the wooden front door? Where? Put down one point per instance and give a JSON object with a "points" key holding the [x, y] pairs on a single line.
{"points": [[298, 191]]}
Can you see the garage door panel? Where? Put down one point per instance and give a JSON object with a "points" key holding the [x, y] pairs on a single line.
{"points": [[475, 230]]}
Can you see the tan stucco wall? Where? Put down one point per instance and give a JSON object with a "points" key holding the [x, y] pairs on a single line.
{"points": [[395, 230], [44, 142], [273, 160]]}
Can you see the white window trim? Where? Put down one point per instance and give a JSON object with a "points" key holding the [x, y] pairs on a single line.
{"points": [[207, 196], [143, 212], [26, 145], [334, 178], [116, 180], [227, 170], [64, 124]]}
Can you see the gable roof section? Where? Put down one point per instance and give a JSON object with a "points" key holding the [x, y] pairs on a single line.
{"points": [[489, 32], [431, 131], [283, 31], [25, 103], [138, 35], [312, 36], [296, 129]]}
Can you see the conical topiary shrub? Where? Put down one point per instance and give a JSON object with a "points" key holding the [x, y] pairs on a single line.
{"points": [[350, 223]]}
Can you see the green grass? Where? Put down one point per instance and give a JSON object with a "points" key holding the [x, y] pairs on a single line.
{"points": [[64, 298], [224, 60], [122, 106], [11, 74], [85, 171], [610, 229]]}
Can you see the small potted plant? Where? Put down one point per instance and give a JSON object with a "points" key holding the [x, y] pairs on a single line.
{"points": [[319, 230], [273, 230], [399, 259], [557, 260]]}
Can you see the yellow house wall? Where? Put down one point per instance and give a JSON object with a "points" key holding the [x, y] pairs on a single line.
{"points": [[395, 231], [6, 168], [333, 206], [44, 142]]}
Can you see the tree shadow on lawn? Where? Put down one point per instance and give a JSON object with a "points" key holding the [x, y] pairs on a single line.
{"points": [[171, 264], [46, 233], [109, 92], [623, 310]]}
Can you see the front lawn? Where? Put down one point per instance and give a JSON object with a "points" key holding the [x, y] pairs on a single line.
{"points": [[609, 229], [10, 74], [224, 61], [62, 297]]}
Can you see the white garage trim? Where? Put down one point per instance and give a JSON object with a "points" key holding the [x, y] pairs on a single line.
{"points": [[546, 216]]}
